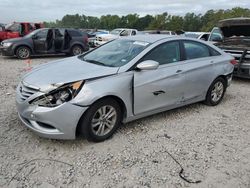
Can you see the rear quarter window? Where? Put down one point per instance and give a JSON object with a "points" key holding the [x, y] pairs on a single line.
{"points": [[214, 52], [194, 50]]}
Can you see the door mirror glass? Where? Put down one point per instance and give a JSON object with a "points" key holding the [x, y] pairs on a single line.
{"points": [[148, 65]]}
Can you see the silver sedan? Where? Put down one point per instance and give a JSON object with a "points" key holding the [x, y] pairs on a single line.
{"points": [[123, 80]]}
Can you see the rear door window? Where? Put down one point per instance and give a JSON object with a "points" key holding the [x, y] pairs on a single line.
{"points": [[59, 33], [194, 50]]}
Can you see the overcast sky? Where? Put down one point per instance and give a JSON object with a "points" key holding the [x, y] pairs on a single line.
{"points": [[50, 10]]}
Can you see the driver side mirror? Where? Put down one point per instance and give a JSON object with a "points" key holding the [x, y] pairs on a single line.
{"points": [[148, 65]]}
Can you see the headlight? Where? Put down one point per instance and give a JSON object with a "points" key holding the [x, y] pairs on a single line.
{"points": [[7, 44], [59, 96]]}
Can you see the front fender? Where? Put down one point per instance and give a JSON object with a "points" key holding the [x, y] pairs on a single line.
{"points": [[119, 85]]}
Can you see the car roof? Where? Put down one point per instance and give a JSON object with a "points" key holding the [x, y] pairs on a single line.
{"points": [[150, 38], [197, 33]]}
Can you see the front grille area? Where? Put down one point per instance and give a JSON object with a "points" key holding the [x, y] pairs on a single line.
{"points": [[26, 91], [238, 53]]}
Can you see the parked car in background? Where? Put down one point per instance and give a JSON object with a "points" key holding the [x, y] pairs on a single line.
{"points": [[114, 34], [46, 41], [2, 29], [92, 36], [198, 35], [233, 36], [164, 32], [126, 79], [18, 29]]}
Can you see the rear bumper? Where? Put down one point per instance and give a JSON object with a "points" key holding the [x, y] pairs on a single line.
{"points": [[243, 71]]}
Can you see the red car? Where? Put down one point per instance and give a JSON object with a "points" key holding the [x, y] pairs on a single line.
{"points": [[18, 29]]}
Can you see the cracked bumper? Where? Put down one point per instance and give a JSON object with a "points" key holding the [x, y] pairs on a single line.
{"points": [[55, 123]]}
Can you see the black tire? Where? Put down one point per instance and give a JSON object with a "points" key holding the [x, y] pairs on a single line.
{"points": [[76, 50], [210, 100], [23, 52], [86, 128]]}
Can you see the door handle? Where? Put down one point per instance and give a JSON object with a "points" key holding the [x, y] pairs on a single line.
{"points": [[178, 71]]}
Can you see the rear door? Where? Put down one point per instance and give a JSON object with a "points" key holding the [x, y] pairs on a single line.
{"points": [[59, 39], [198, 69], [155, 89]]}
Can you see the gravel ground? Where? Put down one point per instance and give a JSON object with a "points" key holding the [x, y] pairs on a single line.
{"points": [[211, 143]]}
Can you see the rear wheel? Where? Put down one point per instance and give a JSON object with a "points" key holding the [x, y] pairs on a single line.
{"points": [[101, 120], [23, 52], [216, 92], [76, 50]]}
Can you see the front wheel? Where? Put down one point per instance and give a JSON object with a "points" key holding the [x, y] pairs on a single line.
{"points": [[23, 52], [76, 50], [101, 120], [216, 92]]}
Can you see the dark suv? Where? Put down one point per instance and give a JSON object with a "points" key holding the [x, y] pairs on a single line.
{"points": [[46, 41], [233, 36]]}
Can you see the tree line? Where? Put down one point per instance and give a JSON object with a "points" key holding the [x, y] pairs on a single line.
{"points": [[165, 21]]}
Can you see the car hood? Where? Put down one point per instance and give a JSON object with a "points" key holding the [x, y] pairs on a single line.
{"points": [[13, 40], [108, 36], [241, 30], [48, 76]]}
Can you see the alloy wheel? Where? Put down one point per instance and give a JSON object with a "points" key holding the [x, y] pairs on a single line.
{"points": [[23, 53], [77, 50], [217, 91], [104, 120]]}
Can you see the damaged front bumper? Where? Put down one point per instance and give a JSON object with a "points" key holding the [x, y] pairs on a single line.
{"points": [[56, 123], [6, 51]]}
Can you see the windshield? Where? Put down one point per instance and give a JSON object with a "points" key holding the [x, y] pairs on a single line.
{"points": [[116, 32], [116, 53], [15, 27], [32, 33]]}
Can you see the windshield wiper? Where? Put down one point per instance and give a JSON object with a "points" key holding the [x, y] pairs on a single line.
{"points": [[95, 62]]}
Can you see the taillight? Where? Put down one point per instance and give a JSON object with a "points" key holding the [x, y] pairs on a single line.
{"points": [[85, 39], [233, 62]]}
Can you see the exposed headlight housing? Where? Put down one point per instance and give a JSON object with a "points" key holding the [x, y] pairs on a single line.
{"points": [[59, 96], [6, 44]]}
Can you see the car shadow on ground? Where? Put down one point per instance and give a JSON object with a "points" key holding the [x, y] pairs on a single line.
{"points": [[37, 57]]}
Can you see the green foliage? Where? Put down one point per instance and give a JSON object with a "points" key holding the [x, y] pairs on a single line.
{"points": [[189, 22]]}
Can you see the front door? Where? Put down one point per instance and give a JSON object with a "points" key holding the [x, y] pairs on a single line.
{"points": [[40, 42], [163, 87]]}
